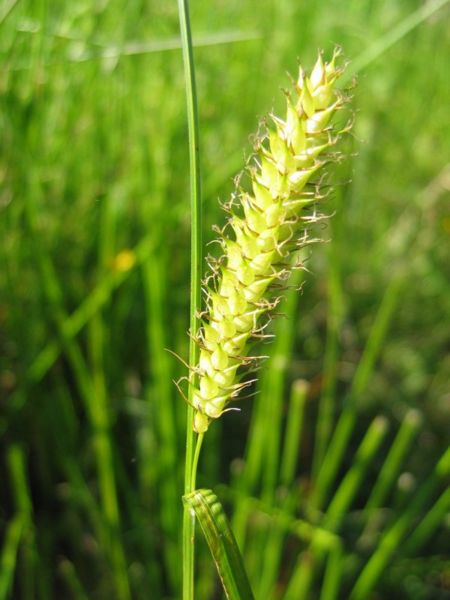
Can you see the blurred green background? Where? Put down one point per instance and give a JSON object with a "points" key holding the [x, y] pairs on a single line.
{"points": [[94, 287]]}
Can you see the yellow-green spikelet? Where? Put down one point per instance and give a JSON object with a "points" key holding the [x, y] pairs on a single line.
{"points": [[263, 237]]}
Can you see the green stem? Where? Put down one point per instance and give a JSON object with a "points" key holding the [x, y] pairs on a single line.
{"points": [[198, 447], [195, 299]]}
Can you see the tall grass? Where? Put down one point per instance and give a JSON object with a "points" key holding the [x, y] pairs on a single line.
{"points": [[335, 474]]}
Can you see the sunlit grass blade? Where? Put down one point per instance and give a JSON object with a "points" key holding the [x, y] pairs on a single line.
{"points": [[196, 268], [221, 542], [393, 36], [7, 8], [138, 48]]}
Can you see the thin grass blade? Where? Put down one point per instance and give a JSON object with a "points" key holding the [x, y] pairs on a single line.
{"points": [[8, 556], [221, 542]]}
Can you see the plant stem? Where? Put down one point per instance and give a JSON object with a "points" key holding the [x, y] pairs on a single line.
{"points": [[195, 297], [198, 447]]}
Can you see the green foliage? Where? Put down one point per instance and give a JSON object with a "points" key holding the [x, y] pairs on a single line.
{"points": [[207, 509], [336, 488]]}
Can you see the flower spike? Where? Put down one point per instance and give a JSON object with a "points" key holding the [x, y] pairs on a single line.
{"points": [[266, 225]]}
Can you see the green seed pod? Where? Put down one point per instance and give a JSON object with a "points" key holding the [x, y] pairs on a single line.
{"points": [[265, 227]]}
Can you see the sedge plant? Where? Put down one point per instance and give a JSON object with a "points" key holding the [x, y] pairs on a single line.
{"points": [[269, 219], [93, 247]]}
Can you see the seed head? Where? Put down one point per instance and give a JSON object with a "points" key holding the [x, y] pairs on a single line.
{"points": [[266, 225]]}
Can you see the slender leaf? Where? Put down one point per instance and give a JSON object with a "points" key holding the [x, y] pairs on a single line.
{"points": [[221, 542]]}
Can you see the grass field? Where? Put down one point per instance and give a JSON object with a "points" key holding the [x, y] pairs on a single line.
{"points": [[335, 474]]}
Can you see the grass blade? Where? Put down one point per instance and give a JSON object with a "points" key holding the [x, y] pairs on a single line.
{"points": [[333, 574], [348, 418], [426, 528], [8, 557], [394, 537], [393, 36], [195, 278], [221, 542], [353, 479], [395, 459]]}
